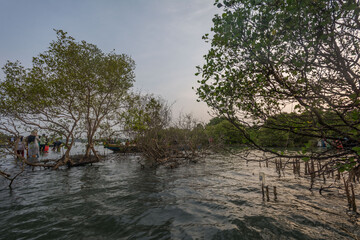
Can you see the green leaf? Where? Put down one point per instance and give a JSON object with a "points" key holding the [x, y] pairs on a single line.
{"points": [[306, 159], [356, 149]]}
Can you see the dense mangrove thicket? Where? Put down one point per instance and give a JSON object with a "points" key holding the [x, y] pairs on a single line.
{"points": [[160, 138], [287, 74], [290, 69]]}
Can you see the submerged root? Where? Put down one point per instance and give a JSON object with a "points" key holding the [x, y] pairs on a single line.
{"points": [[75, 161], [72, 161], [168, 161]]}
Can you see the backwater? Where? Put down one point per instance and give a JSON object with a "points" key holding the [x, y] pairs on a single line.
{"points": [[219, 197]]}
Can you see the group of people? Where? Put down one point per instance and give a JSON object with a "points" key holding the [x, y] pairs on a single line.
{"points": [[34, 145], [339, 143]]}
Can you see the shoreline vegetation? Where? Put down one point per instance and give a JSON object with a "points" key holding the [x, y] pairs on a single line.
{"points": [[262, 62], [288, 74]]}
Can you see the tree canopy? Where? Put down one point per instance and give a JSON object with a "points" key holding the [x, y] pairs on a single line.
{"points": [[272, 57], [71, 89]]}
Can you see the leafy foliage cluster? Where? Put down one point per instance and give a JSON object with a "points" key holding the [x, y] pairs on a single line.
{"points": [[148, 120], [222, 131], [269, 58], [70, 90]]}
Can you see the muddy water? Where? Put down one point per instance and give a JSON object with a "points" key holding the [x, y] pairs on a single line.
{"points": [[218, 198]]}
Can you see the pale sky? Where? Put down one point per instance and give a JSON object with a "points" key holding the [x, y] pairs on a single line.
{"points": [[162, 36]]}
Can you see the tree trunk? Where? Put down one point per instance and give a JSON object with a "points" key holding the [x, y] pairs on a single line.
{"points": [[95, 153], [66, 158], [88, 150]]}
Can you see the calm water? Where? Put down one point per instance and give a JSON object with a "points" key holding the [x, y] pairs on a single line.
{"points": [[218, 198]]}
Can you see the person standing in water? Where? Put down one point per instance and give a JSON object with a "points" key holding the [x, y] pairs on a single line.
{"points": [[20, 146], [43, 141], [33, 146]]}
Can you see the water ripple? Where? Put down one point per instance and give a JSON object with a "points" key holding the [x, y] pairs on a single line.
{"points": [[219, 198]]}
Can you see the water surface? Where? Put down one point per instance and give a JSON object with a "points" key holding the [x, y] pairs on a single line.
{"points": [[217, 198]]}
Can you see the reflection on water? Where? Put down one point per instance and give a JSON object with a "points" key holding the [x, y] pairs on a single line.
{"points": [[219, 198]]}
